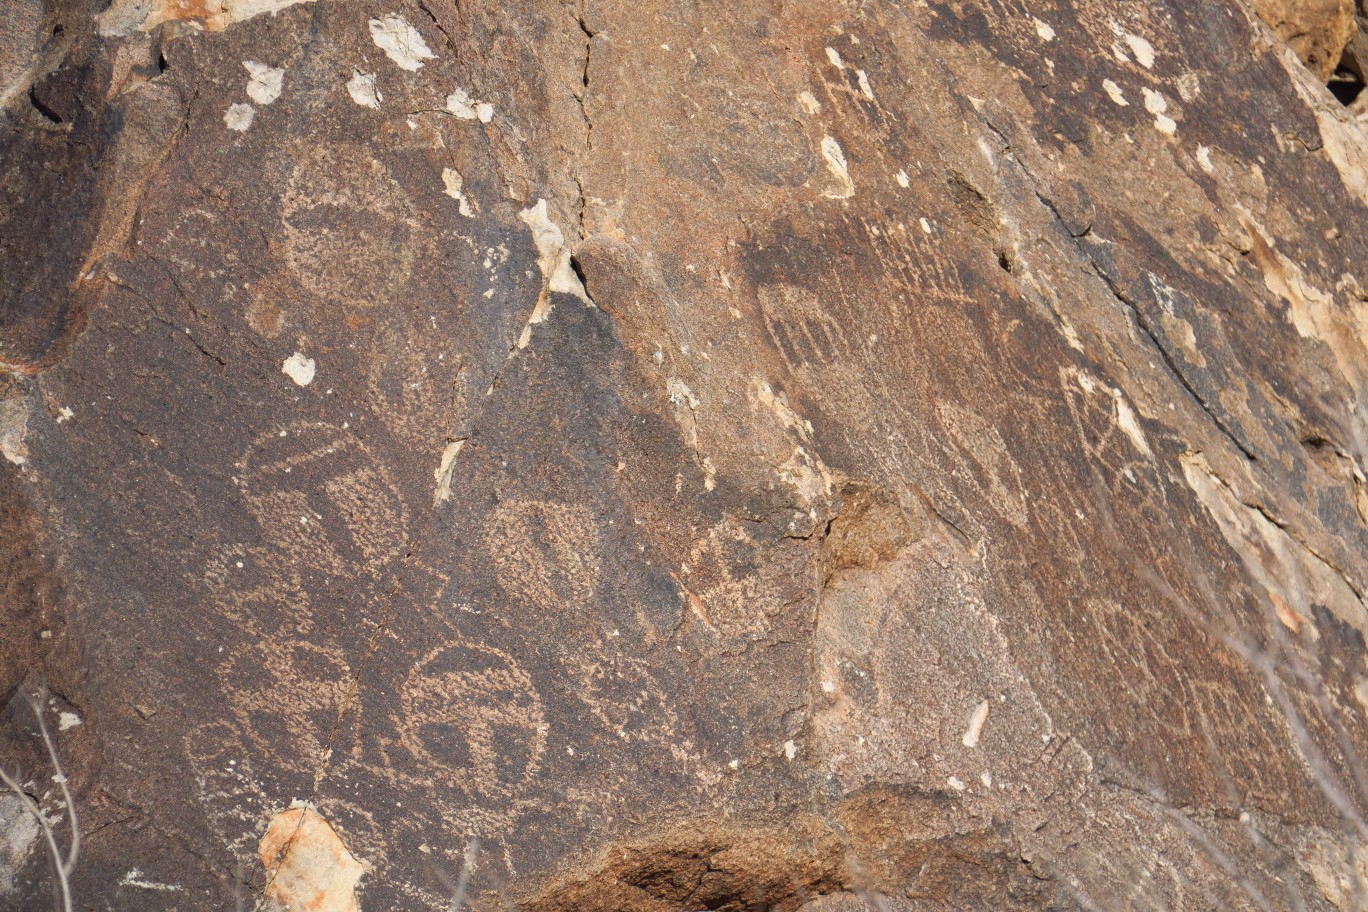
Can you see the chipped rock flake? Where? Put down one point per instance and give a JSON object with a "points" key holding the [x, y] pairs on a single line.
{"points": [[299, 368], [401, 42], [361, 88], [124, 17], [1114, 93], [307, 865], [442, 473], [14, 415], [239, 117], [1157, 105], [553, 258], [454, 187], [836, 164], [976, 723], [863, 81], [460, 104], [1142, 49], [1044, 30], [265, 83]]}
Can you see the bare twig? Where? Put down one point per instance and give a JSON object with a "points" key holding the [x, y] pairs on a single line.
{"points": [[64, 864], [461, 885]]}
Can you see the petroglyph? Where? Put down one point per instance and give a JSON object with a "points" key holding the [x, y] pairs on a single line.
{"points": [[350, 229], [979, 440], [802, 327], [284, 694], [470, 709], [323, 500], [545, 552]]}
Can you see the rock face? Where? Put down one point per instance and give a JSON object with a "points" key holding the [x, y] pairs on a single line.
{"points": [[713, 455], [1317, 30]]}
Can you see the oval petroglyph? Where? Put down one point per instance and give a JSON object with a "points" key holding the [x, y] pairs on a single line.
{"points": [[350, 229]]}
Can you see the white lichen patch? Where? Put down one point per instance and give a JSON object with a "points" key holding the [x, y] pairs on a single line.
{"points": [[401, 42], [239, 117], [460, 104], [1189, 87], [1114, 93], [454, 186], [67, 720], [19, 834], [809, 103], [836, 164], [307, 865], [265, 82], [136, 879], [362, 89], [1044, 31], [976, 723], [299, 368]]}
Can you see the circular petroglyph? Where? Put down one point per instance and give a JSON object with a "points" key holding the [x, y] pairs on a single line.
{"points": [[623, 696], [350, 230], [285, 695], [468, 709], [544, 552], [322, 498]]}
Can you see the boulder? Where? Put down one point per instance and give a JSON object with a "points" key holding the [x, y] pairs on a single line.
{"points": [[1317, 30]]}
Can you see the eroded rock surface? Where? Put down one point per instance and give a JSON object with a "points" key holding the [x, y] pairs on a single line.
{"points": [[683, 456]]}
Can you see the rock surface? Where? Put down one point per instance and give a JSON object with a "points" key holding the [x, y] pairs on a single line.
{"points": [[712, 455], [1317, 30]]}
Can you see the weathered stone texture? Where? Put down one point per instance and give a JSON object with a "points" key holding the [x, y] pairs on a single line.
{"points": [[693, 455]]}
